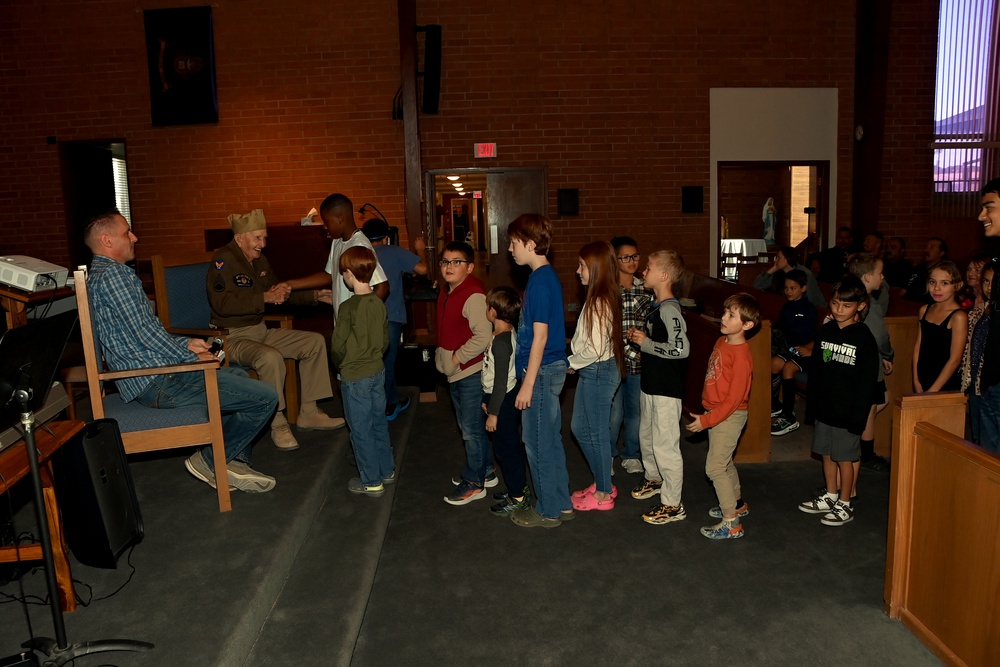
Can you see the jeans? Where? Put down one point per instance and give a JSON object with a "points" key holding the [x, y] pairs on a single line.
{"points": [[364, 408], [591, 413], [391, 392], [541, 428], [467, 398], [625, 408], [989, 418], [507, 444], [246, 405]]}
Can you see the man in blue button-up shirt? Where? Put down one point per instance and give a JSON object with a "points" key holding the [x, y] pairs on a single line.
{"points": [[132, 337]]}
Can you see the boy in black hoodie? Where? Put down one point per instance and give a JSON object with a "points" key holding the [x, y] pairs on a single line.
{"points": [[841, 379]]}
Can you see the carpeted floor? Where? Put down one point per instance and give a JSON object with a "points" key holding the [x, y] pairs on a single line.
{"points": [[311, 575]]}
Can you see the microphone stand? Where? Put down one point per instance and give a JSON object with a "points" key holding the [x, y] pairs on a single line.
{"points": [[58, 651]]}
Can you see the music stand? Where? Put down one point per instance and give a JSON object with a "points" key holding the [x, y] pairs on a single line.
{"points": [[29, 359]]}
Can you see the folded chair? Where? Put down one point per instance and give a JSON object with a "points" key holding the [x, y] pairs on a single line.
{"points": [[152, 429], [182, 306]]}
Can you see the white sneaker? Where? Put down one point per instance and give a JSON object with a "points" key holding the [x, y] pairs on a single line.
{"points": [[839, 515], [632, 466]]}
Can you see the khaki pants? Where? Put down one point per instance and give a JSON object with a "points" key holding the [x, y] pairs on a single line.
{"points": [[265, 350], [719, 466]]}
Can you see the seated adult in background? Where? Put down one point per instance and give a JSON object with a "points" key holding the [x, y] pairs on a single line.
{"points": [[833, 261], [935, 251], [773, 280], [132, 337], [873, 243], [395, 261], [897, 270], [240, 284]]}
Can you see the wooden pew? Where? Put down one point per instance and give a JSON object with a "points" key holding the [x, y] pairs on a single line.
{"points": [[903, 334]]}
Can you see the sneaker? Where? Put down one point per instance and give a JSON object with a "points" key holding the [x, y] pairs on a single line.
{"points": [[819, 505], [465, 493], [723, 531], [741, 511], [393, 412], [490, 481], [838, 515], [661, 514], [508, 505], [782, 426], [196, 465], [776, 412], [244, 478], [391, 479], [647, 489], [877, 463], [356, 486], [632, 466]]}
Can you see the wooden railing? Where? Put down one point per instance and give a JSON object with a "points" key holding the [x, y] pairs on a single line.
{"points": [[942, 576]]}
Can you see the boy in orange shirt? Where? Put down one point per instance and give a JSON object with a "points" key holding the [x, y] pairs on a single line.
{"points": [[725, 399]]}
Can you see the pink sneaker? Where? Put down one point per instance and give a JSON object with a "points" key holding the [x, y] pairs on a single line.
{"points": [[589, 491], [589, 502]]}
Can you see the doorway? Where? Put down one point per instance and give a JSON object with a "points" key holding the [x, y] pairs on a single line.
{"points": [[774, 204], [476, 205]]}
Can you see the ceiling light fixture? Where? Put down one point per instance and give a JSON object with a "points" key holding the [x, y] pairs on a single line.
{"points": [[452, 178]]}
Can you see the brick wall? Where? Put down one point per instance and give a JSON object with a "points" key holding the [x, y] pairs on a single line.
{"points": [[612, 97]]}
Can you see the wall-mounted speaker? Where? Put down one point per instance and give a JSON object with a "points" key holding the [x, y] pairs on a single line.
{"points": [[432, 69], [692, 199], [568, 201]]}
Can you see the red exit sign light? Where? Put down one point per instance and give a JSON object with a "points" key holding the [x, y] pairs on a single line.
{"points": [[484, 150]]}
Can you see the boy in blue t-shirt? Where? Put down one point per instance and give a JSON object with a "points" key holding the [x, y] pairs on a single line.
{"points": [[395, 261], [541, 364]]}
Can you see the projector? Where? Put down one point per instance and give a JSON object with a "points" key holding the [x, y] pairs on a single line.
{"points": [[30, 274]]}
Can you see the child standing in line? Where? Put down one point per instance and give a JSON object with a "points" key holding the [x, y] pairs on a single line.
{"points": [[359, 340], [503, 308], [463, 334], [944, 328], [625, 408], [973, 366], [842, 380], [665, 350], [598, 358], [791, 343], [540, 360], [868, 268], [726, 398]]}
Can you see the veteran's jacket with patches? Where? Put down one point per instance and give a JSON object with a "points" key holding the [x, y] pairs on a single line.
{"points": [[236, 288]]}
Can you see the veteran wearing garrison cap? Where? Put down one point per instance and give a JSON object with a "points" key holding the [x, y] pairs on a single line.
{"points": [[240, 284]]}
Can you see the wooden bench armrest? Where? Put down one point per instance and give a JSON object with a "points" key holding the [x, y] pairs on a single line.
{"points": [[160, 370]]}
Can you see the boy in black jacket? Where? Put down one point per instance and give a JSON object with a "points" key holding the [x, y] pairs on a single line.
{"points": [[843, 377]]}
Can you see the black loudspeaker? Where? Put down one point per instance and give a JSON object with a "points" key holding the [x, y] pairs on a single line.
{"points": [[568, 201], [432, 69], [692, 199], [97, 497]]}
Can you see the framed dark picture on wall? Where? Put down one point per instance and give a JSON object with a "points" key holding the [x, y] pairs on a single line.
{"points": [[181, 57]]}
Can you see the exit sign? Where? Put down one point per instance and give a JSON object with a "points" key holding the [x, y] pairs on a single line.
{"points": [[484, 150]]}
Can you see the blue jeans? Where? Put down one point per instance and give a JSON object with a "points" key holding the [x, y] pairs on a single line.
{"points": [[364, 408], [591, 414], [246, 405], [391, 392], [625, 408], [467, 398], [541, 429], [989, 418]]}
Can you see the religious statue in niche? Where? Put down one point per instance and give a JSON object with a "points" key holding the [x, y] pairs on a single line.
{"points": [[769, 218]]}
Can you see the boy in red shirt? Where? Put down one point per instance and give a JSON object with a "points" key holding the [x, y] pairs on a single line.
{"points": [[725, 398]]}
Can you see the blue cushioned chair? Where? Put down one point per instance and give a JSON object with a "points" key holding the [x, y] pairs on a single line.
{"points": [[151, 429], [182, 306]]}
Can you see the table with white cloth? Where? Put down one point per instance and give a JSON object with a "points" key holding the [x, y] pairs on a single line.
{"points": [[749, 248]]}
